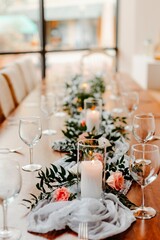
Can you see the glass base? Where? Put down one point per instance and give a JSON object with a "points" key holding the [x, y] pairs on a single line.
{"points": [[11, 234], [117, 110], [60, 114], [32, 167], [144, 213], [49, 132]]}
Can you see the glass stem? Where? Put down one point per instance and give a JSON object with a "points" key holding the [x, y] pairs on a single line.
{"points": [[48, 122], [5, 226], [143, 148], [142, 188], [31, 154], [130, 119]]}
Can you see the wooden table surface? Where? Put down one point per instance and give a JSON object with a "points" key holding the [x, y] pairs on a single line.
{"points": [[43, 154]]}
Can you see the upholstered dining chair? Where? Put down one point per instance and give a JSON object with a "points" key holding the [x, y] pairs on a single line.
{"points": [[2, 118], [28, 71], [15, 82], [6, 99], [96, 62]]}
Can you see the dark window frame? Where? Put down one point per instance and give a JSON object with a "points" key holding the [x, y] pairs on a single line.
{"points": [[43, 50]]}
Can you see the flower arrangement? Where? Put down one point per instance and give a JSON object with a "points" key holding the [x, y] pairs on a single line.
{"points": [[58, 182], [74, 102]]}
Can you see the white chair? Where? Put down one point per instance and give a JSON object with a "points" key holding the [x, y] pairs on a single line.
{"points": [[96, 62], [15, 82], [6, 100], [29, 72]]}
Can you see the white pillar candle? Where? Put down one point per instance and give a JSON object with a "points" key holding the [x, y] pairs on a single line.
{"points": [[91, 179], [85, 87], [92, 119]]}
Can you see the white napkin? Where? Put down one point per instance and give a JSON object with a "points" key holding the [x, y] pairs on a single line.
{"points": [[105, 218]]}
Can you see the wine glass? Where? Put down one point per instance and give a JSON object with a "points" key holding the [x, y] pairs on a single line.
{"points": [[10, 185], [48, 107], [30, 132], [143, 127], [59, 105], [130, 101], [144, 168]]}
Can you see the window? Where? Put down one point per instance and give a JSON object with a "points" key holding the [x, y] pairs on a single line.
{"points": [[49, 27]]}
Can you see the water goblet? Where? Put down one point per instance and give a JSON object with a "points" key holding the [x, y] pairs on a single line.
{"points": [[10, 185], [59, 105], [143, 127], [144, 168], [30, 132], [48, 107], [130, 101]]}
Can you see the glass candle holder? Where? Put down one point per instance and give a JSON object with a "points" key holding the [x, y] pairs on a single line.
{"points": [[93, 113], [91, 163], [85, 87]]}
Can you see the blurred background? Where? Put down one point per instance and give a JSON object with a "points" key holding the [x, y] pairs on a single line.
{"points": [[58, 34]]}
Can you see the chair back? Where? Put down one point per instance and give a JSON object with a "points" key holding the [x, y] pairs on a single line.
{"points": [[96, 62], [15, 82], [2, 118], [29, 72], [6, 99]]}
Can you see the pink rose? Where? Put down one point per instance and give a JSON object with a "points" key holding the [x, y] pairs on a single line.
{"points": [[83, 123], [98, 156], [61, 194], [116, 180]]}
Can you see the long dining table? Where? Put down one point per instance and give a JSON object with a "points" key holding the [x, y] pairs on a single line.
{"points": [[44, 155]]}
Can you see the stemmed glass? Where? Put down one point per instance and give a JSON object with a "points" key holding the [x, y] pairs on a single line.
{"points": [[10, 185], [30, 132], [143, 127], [59, 105], [48, 107], [144, 168], [130, 101]]}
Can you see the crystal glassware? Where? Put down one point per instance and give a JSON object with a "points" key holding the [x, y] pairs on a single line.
{"points": [[48, 107], [144, 168], [143, 127], [91, 168], [10, 186], [130, 101], [59, 104], [30, 132]]}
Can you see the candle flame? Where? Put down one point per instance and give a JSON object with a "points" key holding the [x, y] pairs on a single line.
{"points": [[93, 108], [79, 109], [84, 85], [90, 153]]}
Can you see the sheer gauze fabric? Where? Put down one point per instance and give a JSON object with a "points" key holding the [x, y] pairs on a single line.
{"points": [[105, 218]]}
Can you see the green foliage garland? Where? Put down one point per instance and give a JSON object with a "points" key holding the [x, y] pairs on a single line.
{"points": [[55, 177]]}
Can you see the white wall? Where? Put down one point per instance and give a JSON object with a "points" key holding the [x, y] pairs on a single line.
{"points": [[138, 20]]}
